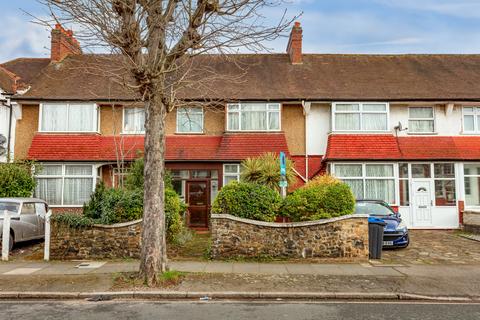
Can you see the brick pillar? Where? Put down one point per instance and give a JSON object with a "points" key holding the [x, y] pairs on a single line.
{"points": [[63, 43], [294, 48]]}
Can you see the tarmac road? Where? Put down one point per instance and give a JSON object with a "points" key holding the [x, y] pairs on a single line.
{"points": [[210, 310]]}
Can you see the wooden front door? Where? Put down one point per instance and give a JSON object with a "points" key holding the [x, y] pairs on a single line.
{"points": [[197, 200]]}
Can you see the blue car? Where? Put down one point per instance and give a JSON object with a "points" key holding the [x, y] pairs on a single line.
{"points": [[395, 234]]}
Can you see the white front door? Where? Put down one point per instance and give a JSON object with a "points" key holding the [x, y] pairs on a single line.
{"points": [[422, 203]]}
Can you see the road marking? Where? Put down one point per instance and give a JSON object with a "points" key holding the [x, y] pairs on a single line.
{"points": [[22, 271]]}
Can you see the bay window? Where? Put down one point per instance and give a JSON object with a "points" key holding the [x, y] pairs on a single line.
{"points": [[68, 117], [190, 120], [368, 181], [253, 117], [472, 184], [134, 120], [421, 120], [471, 119], [65, 184], [360, 116]]}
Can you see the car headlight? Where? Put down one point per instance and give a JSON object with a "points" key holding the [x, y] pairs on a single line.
{"points": [[402, 226]]}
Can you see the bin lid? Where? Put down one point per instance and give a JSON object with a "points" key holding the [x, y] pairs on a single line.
{"points": [[376, 221]]}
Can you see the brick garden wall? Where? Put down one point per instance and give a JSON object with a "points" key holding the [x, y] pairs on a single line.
{"points": [[343, 237], [97, 242], [471, 221]]}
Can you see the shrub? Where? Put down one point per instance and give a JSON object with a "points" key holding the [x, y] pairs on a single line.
{"points": [[319, 201], [325, 179], [135, 177], [16, 180], [266, 170], [73, 220], [174, 209], [247, 200]]}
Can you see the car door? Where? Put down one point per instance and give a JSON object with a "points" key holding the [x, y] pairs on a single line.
{"points": [[28, 221], [41, 211]]}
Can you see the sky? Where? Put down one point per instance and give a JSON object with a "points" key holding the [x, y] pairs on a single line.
{"points": [[330, 26]]}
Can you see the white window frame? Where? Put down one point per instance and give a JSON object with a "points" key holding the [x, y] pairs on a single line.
{"points": [[364, 176], [476, 122], [96, 119], [360, 112], [124, 118], [190, 132], [240, 104], [477, 175], [63, 176], [230, 174], [422, 119]]}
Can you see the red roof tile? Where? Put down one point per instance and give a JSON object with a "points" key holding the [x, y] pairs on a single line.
{"points": [[314, 165], [92, 147], [388, 147]]}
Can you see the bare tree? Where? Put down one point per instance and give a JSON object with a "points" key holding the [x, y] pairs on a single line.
{"points": [[160, 42]]}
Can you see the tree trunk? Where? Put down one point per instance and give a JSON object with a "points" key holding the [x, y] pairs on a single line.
{"points": [[153, 259]]}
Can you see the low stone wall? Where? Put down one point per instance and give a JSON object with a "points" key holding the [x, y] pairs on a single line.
{"points": [[97, 242], [343, 237], [471, 221]]}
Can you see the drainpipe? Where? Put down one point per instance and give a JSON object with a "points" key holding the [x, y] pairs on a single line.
{"points": [[306, 111]]}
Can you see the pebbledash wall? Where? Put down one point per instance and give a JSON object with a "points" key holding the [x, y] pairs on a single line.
{"points": [[96, 242], [342, 237]]}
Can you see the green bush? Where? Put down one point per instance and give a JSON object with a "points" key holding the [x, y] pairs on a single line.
{"points": [[319, 201], [265, 170], [73, 220], [247, 200], [135, 178], [16, 180], [174, 209]]}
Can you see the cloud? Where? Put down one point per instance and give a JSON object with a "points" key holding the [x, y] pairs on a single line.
{"points": [[457, 8]]}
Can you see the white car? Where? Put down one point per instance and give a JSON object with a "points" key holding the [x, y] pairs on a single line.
{"points": [[27, 218]]}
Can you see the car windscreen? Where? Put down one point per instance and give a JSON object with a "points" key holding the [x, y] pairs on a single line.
{"points": [[9, 206], [372, 208]]}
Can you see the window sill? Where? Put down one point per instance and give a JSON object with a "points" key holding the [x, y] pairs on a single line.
{"points": [[133, 133], [69, 132], [470, 133], [190, 133], [359, 132], [422, 133], [253, 131]]}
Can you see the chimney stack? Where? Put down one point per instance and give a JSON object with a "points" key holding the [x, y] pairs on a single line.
{"points": [[294, 48], [63, 43]]}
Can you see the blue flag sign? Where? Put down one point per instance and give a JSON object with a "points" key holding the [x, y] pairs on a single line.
{"points": [[283, 164]]}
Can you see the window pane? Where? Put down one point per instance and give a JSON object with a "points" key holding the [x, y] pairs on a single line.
{"points": [[134, 120], [214, 174], [468, 123], [233, 121], [233, 107], [50, 170], [444, 170], [254, 120], [54, 117], [472, 169], [81, 117], [347, 107], [228, 179], [421, 171], [274, 106], [380, 190], [190, 120], [180, 174], [468, 109], [375, 107], [273, 121], [348, 170], [374, 121], [200, 173], [404, 193], [472, 191], [254, 107], [78, 170], [421, 126], [50, 190], [178, 186], [347, 121], [231, 168], [421, 112], [403, 170], [356, 186], [445, 193], [379, 170], [77, 190]]}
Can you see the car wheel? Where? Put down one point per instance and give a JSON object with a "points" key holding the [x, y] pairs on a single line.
{"points": [[10, 243]]}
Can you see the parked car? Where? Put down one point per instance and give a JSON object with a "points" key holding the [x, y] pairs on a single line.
{"points": [[27, 218], [395, 233]]}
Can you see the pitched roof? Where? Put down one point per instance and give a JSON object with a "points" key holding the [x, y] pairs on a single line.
{"points": [[92, 147], [20, 72], [273, 77], [346, 147]]}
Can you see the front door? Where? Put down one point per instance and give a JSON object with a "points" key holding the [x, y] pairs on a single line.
{"points": [[197, 200], [422, 203]]}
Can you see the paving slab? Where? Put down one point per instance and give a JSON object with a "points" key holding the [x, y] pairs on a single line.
{"points": [[246, 267], [116, 267], [300, 269], [219, 267], [272, 268], [188, 266]]}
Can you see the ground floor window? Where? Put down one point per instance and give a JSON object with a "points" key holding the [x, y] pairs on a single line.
{"points": [[368, 181], [472, 184], [65, 184], [231, 172]]}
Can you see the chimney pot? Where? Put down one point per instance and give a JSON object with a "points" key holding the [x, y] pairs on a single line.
{"points": [[294, 48]]}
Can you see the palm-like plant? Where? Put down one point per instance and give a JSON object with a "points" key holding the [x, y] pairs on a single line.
{"points": [[265, 170]]}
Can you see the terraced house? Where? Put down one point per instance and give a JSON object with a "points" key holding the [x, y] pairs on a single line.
{"points": [[402, 128]]}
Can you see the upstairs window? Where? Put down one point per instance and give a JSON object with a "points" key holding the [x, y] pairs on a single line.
{"points": [[360, 116], [190, 120], [421, 120], [471, 119], [253, 117], [134, 120], [68, 117]]}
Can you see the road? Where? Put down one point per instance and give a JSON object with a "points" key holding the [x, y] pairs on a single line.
{"points": [[119, 310]]}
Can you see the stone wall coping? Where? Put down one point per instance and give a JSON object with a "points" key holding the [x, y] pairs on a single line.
{"points": [[288, 224], [118, 225]]}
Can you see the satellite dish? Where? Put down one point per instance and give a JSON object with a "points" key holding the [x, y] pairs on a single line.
{"points": [[3, 139], [400, 127]]}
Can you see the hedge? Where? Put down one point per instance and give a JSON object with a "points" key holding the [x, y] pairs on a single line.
{"points": [[16, 180]]}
